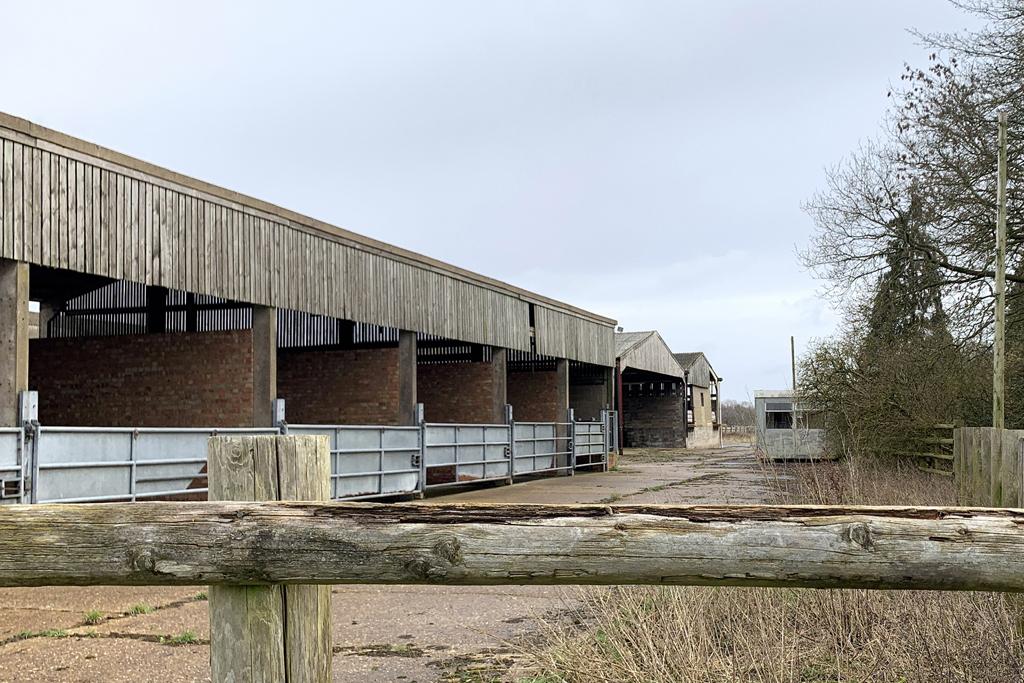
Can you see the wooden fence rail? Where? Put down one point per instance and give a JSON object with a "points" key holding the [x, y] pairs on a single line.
{"points": [[269, 622], [933, 453], [326, 543]]}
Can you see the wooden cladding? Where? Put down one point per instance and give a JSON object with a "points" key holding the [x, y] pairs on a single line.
{"points": [[651, 354], [65, 208], [562, 335]]}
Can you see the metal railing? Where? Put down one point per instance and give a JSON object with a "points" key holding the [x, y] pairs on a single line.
{"points": [[588, 445], [466, 453], [45, 464], [541, 447], [370, 461], [12, 475], [125, 463]]}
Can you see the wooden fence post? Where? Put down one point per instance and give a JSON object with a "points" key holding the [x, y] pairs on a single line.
{"points": [[270, 633]]}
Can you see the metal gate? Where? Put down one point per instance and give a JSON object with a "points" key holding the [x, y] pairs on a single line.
{"points": [[541, 447], [466, 453], [122, 463], [12, 476], [370, 461], [588, 445], [612, 430]]}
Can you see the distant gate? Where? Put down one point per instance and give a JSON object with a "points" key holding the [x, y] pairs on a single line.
{"points": [[589, 450]]}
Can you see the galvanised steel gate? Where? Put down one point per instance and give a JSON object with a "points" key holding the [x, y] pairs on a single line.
{"points": [[541, 447], [370, 461], [94, 464], [43, 464], [588, 443], [611, 418], [466, 453], [12, 476]]}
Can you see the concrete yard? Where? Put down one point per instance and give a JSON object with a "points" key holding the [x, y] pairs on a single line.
{"points": [[381, 633]]}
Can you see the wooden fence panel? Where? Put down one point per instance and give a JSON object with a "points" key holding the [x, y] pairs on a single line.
{"points": [[987, 466]]}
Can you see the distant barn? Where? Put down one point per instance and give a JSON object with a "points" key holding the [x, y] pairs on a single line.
{"points": [[703, 400]]}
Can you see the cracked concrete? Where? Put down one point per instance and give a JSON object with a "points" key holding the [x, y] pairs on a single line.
{"points": [[381, 633]]}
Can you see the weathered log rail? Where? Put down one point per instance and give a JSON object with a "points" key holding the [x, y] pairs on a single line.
{"points": [[243, 543], [266, 562]]}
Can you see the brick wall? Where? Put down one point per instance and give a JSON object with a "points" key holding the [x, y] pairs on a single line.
{"points": [[462, 392], [535, 396], [165, 380], [335, 386], [588, 400], [654, 419]]}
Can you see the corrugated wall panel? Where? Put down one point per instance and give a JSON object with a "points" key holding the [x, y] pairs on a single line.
{"points": [[61, 207]]}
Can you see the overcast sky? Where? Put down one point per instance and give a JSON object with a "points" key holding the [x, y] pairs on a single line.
{"points": [[644, 160]]}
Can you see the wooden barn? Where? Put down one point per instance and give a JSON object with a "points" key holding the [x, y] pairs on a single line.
{"points": [[158, 301], [703, 392], [651, 391]]}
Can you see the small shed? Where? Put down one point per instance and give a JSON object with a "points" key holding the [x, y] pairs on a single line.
{"points": [[787, 428]]}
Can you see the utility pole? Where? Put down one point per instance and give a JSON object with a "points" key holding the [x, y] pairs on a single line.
{"points": [[792, 359], [999, 348]]}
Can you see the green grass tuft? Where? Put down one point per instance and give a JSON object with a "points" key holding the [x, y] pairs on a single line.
{"points": [[183, 638]]}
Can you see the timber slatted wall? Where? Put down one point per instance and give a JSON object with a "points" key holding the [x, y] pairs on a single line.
{"points": [[987, 466], [654, 355], [65, 208]]}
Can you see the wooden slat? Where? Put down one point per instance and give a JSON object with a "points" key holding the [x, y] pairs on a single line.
{"points": [[46, 210], [7, 199]]}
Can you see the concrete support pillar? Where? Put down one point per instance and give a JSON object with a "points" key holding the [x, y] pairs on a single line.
{"points": [[406, 377], [156, 310], [13, 338], [499, 359], [264, 365], [46, 312], [609, 388], [620, 404], [562, 372]]}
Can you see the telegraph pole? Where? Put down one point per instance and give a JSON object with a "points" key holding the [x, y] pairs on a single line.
{"points": [[999, 348], [792, 359]]}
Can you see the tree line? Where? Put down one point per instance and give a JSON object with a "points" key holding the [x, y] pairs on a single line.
{"points": [[904, 243]]}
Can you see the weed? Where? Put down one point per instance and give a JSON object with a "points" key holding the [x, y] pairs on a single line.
{"points": [[183, 638], [93, 617], [202, 596], [46, 633], [140, 608], [784, 635]]}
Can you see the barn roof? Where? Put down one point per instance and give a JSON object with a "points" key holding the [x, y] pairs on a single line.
{"points": [[646, 351], [133, 221], [699, 367]]}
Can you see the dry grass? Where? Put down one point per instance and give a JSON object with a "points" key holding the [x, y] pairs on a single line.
{"points": [[654, 635]]}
